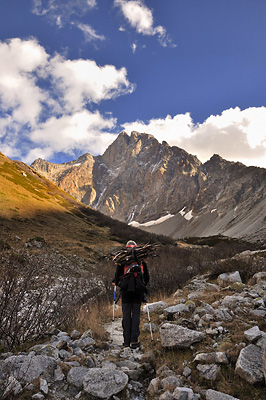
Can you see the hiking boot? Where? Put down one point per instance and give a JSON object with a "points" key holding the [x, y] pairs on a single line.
{"points": [[126, 344], [135, 345]]}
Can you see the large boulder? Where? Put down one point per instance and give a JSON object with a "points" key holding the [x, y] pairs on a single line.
{"points": [[173, 335], [249, 364], [76, 375], [214, 395], [26, 368], [229, 277], [104, 383]]}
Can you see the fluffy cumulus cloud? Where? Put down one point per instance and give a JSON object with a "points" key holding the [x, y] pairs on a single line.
{"points": [[72, 134], [45, 102], [81, 81], [140, 17], [23, 62], [236, 135]]}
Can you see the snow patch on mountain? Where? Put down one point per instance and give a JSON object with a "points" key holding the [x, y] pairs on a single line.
{"points": [[182, 212], [188, 216], [150, 223]]}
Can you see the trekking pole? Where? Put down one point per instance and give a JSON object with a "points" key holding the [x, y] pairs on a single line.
{"points": [[149, 321], [113, 319]]}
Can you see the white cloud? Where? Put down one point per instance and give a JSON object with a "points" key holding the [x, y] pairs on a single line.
{"points": [[140, 17], [89, 33], [168, 129], [44, 101], [22, 64], [60, 11], [235, 135], [134, 47], [91, 3], [81, 81], [79, 132]]}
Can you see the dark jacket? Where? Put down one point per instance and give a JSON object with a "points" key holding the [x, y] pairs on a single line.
{"points": [[131, 297]]}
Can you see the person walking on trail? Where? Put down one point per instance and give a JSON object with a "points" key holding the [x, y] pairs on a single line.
{"points": [[132, 280]]}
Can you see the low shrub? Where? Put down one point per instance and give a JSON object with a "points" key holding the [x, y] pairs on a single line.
{"points": [[32, 299]]}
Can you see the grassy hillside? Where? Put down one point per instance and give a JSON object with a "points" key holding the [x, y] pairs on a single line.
{"points": [[31, 206]]}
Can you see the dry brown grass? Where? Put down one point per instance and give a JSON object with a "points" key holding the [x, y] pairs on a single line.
{"points": [[94, 316]]}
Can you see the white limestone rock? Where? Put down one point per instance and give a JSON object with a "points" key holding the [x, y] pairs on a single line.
{"points": [[249, 364], [253, 334], [76, 375], [212, 358], [214, 395], [209, 371], [178, 309], [26, 368], [156, 306], [229, 277], [104, 383], [173, 335]]}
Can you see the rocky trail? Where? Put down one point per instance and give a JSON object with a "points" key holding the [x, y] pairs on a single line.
{"points": [[211, 331], [114, 329]]}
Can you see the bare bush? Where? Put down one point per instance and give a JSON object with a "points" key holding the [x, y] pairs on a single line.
{"points": [[32, 300], [169, 270]]}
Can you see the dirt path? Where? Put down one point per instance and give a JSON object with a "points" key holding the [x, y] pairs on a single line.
{"points": [[115, 330]]}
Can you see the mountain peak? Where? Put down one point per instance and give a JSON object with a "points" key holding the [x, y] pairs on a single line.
{"points": [[217, 157]]}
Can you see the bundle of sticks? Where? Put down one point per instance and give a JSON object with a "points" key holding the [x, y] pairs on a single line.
{"points": [[125, 255]]}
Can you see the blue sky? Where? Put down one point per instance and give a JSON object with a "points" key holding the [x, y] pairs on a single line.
{"points": [[73, 74]]}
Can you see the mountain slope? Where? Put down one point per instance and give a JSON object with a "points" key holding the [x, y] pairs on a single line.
{"points": [[138, 179], [31, 206]]}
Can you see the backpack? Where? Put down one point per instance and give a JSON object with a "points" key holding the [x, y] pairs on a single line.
{"points": [[132, 280]]}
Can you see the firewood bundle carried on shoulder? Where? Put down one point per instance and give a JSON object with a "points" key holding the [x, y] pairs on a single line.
{"points": [[125, 255]]}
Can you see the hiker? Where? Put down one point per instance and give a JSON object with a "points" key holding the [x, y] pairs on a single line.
{"points": [[132, 280]]}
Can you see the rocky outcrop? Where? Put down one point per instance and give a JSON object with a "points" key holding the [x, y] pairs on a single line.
{"points": [[209, 321], [139, 179], [77, 372]]}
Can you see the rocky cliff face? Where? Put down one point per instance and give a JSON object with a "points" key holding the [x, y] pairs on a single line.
{"points": [[138, 179]]}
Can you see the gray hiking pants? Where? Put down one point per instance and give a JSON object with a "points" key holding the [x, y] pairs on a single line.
{"points": [[130, 323]]}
